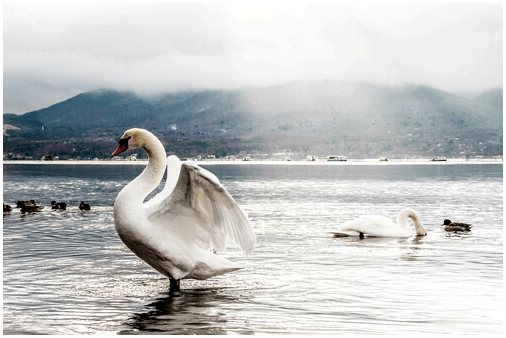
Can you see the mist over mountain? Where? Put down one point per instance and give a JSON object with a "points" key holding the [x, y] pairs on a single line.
{"points": [[359, 120], [492, 97]]}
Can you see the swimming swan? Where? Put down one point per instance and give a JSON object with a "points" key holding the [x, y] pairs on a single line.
{"points": [[179, 230], [381, 226]]}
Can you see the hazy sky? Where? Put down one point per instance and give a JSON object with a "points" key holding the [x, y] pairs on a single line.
{"points": [[56, 49]]}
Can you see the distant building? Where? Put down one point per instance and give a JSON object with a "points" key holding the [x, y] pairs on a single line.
{"points": [[337, 158]]}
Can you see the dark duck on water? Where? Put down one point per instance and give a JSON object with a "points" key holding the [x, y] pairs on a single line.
{"points": [[20, 204], [455, 226], [84, 206], [58, 205], [29, 207]]}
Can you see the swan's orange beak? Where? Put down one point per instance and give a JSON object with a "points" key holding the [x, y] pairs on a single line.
{"points": [[123, 145], [119, 150]]}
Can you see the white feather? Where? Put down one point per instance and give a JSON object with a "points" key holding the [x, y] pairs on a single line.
{"points": [[381, 226], [189, 186], [180, 229]]}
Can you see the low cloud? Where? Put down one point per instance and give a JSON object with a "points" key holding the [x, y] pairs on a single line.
{"points": [[55, 51]]}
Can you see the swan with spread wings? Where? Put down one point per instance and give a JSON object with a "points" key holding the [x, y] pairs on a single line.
{"points": [[182, 229]]}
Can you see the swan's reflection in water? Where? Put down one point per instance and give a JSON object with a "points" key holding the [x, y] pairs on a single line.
{"points": [[413, 247], [407, 248], [196, 311]]}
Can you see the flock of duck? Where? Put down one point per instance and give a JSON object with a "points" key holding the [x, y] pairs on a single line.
{"points": [[32, 206], [182, 229]]}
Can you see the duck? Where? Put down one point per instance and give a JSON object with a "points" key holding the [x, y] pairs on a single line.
{"points": [[20, 204], [455, 226], [58, 206], [84, 206], [381, 226], [183, 229], [30, 207], [7, 208]]}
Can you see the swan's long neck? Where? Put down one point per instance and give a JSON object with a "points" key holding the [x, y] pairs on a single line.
{"points": [[402, 220], [137, 190]]}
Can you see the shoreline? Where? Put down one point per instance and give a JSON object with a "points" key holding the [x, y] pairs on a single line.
{"points": [[266, 162]]}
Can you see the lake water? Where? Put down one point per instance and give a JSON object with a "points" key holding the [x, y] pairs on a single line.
{"points": [[68, 272]]}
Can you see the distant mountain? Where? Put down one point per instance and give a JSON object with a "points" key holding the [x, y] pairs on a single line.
{"points": [[492, 97], [359, 120]]}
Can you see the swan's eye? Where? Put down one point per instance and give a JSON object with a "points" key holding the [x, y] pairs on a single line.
{"points": [[124, 141]]}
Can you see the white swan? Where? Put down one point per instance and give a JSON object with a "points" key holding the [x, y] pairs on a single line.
{"points": [[381, 226], [179, 229]]}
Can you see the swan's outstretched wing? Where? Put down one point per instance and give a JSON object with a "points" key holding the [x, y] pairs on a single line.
{"points": [[219, 216]]}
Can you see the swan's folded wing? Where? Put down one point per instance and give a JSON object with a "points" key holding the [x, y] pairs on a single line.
{"points": [[189, 185], [372, 225]]}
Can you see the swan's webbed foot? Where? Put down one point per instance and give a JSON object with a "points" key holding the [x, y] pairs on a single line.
{"points": [[175, 289], [361, 235]]}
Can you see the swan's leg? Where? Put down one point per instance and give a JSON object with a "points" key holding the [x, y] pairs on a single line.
{"points": [[361, 235], [174, 290]]}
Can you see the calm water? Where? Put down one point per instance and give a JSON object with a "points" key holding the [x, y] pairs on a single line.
{"points": [[68, 272]]}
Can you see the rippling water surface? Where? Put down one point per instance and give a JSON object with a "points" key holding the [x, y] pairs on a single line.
{"points": [[68, 272]]}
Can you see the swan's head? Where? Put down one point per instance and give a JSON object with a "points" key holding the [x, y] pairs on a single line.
{"points": [[131, 139]]}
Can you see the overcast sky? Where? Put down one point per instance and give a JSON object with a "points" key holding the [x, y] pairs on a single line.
{"points": [[56, 49]]}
